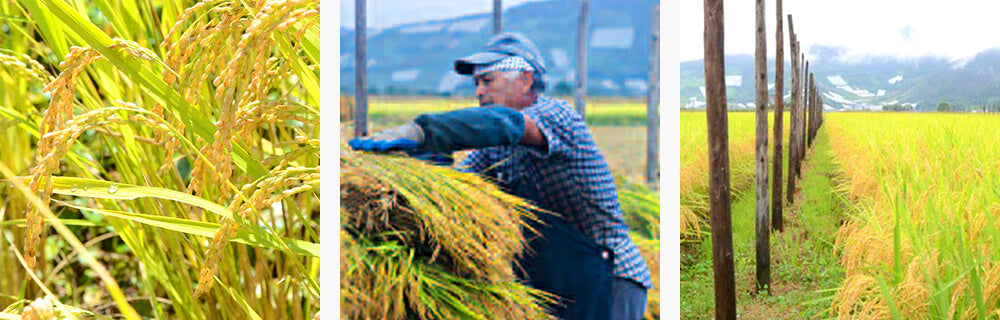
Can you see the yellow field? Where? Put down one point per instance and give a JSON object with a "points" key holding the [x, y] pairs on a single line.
{"points": [[694, 161], [925, 241]]}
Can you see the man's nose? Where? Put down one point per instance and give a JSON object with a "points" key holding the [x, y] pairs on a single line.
{"points": [[480, 89]]}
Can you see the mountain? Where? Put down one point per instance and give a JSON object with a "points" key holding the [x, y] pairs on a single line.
{"points": [[871, 83], [418, 57]]}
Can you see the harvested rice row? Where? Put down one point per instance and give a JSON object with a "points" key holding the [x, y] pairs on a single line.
{"points": [[925, 242]]}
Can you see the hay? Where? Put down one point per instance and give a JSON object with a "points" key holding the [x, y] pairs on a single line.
{"points": [[426, 242]]}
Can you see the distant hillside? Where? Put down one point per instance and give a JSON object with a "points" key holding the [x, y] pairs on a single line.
{"points": [[418, 57], [869, 84]]}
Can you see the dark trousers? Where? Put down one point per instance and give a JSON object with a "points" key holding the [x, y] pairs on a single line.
{"points": [[562, 261], [628, 300]]}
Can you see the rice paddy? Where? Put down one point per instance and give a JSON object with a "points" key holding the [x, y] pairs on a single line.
{"points": [[161, 159], [923, 243], [907, 224]]}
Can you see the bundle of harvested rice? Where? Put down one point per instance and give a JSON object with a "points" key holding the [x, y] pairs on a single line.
{"points": [[426, 242]]}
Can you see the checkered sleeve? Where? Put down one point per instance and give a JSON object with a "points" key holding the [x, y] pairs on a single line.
{"points": [[557, 124], [476, 162]]}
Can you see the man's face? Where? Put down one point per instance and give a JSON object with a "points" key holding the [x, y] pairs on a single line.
{"points": [[498, 88]]}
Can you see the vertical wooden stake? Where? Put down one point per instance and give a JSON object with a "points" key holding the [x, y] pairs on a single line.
{"points": [[812, 110], [360, 70], [807, 94], [794, 112], [718, 162], [581, 57], [653, 103], [763, 228], [497, 14], [779, 109]]}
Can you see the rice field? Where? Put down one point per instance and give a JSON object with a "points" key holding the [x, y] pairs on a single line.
{"points": [[923, 242], [694, 163], [161, 159], [387, 110]]}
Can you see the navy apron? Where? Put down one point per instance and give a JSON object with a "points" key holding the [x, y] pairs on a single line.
{"points": [[560, 260]]}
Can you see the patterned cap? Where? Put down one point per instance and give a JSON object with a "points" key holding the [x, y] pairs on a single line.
{"points": [[499, 47], [512, 63]]}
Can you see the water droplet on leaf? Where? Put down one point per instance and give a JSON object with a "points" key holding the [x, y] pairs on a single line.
{"points": [[113, 188], [73, 188]]}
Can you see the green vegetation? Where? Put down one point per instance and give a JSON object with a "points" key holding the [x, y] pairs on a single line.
{"points": [[804, 263], [924, 243], [161, 159]]}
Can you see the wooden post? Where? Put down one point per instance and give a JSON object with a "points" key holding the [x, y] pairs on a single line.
{"points": [[763, 228], [779, 109], [360, 70], [581, 58], [793, 112], [800, 120], [718, 162], [497, 14], [653, 103], [812, 109], [807, 93]]}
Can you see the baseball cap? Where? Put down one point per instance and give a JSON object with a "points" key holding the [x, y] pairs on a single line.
{"points": [[501, 46]]}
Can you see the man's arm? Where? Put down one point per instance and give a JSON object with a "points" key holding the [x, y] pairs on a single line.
{"points": [[532, 136], [470, 128]]}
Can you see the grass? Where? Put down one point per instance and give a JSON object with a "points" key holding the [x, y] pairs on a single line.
{"points": [[804, 263], [179, 184]]}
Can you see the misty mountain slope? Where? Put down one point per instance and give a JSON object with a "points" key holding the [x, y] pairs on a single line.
{"points": [[418, 57], [866, 84]]}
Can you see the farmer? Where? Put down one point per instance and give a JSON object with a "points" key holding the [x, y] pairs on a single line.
{"points": [[538, 148]]}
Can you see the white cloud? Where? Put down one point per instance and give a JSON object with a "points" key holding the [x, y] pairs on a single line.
{"points": [[866, 28]]}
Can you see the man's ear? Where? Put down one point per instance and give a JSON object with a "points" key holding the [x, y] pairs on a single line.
{"points": [[529, 78]]}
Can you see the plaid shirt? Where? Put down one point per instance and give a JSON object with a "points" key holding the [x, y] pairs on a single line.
{"points": [[573, 180]]}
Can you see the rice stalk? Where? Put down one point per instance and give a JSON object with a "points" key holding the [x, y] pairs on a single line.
{"points": [[421, 241]]}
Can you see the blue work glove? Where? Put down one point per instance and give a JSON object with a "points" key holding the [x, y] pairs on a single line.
{"points": [[405, 137]]}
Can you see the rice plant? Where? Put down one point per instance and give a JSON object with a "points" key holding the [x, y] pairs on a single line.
{"points": [[694, 166], [923, 243], [427, 242], [163, 159]]}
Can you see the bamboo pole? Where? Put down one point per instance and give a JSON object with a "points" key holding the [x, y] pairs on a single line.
{"points": [[718, 162], [581, 58], [653, 103], [763, 229], [779, 106], [360, 70]]}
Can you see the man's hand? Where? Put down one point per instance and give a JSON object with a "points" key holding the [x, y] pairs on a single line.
{"points": [[405, 137]]}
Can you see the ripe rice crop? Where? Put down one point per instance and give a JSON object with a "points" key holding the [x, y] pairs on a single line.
{"points": [[161, 159], [426, 242], [694, 165], [923, 243]]}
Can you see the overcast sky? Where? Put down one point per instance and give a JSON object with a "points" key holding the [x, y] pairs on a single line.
{"points": [[903, 28], [388, 13]]}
